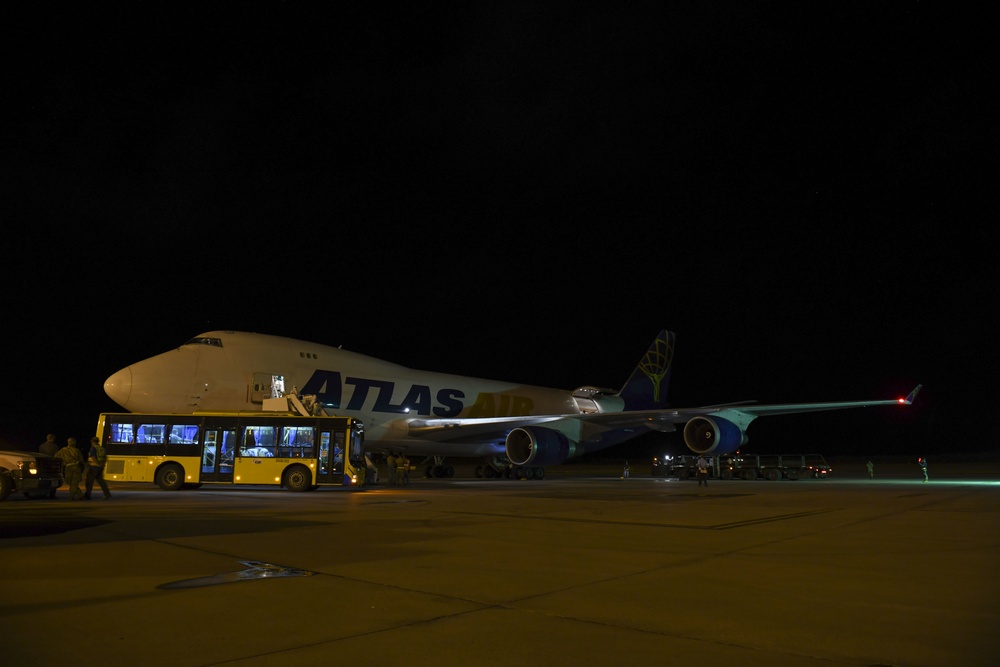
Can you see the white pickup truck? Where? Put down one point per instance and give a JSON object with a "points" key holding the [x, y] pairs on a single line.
{"points": [[30, 473]]}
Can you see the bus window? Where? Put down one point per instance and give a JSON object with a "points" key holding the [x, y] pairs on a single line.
{"points": [[120, 433], [324, 453], [258, 441], [228, 451], [184, 434], [150, 434], [208, 454], [338, 451], [357, 452], [304, 442], [296, 442]]}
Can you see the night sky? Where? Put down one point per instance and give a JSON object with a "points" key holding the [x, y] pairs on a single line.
{"points": [[524, 191]]}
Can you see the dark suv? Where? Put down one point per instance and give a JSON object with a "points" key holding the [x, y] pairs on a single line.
{"points": [[28, 473]]}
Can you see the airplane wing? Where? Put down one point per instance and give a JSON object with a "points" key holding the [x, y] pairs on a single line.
{"points": [[443, 430], [749, 410]]}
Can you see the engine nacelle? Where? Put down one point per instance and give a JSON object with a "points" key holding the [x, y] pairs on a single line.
{"points": [[713, 435], [535, 446]]}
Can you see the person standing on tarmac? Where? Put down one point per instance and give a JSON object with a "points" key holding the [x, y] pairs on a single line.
{"points": [[390, 462], [50, 446], [72, 468], [96, 459], [871, 470], [922, 462], [702, 471], [402, 470]]}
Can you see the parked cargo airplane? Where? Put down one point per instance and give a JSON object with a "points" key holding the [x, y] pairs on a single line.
{"points": [[434, 414]]}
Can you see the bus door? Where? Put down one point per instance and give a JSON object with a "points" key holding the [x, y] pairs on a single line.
{"points": [[330, 462], [217, 455]]}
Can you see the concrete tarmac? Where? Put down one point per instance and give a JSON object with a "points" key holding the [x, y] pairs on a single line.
{"points": [[580, 568]]}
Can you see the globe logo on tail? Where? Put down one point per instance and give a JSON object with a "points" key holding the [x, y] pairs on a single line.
{"points": [[655, 365]]}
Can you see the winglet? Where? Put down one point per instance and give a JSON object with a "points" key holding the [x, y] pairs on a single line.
{"points": [[912, 395]]}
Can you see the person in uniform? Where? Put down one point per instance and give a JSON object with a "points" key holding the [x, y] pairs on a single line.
{"points": [[96, 458], [50, 446], [402, 470], [72, 468], [390, 463], [702, 471]]}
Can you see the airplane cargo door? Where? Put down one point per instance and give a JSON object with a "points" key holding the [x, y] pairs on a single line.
{"points": [[266, 385], [217, 455]]}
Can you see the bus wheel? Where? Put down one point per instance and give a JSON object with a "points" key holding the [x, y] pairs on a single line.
{"points": [[297, 478], [170, 477]]}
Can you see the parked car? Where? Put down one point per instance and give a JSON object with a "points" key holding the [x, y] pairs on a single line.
{"points": [[30, 473]]}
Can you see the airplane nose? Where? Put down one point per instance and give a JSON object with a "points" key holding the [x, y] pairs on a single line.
{"points": [[119, 387]]}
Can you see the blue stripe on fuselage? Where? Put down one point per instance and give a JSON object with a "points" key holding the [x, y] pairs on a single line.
{"points": [[328, 387]]}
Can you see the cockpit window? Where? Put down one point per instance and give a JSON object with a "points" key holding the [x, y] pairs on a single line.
{"points": [[216, 342]]}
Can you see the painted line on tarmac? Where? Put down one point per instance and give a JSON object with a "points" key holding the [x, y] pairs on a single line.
{"points": [[718, 526]]}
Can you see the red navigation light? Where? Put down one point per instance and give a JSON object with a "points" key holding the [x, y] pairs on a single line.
{"points": [[901, 401]]}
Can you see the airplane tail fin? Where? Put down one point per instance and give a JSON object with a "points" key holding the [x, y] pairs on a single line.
{"points": [[646, 388]]}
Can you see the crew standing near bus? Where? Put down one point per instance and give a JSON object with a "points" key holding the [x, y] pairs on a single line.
{"points": [[72, 468], [96, 458]]}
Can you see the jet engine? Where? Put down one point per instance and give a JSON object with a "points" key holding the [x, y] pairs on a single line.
{"points": [[535, 446], [713, 435]]}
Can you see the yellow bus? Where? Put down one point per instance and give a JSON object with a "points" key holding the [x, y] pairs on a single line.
{"points": [[293, 451]]}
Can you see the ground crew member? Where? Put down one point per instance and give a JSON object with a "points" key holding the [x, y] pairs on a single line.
{"points": [[922, 462], [50, 446], [625, 471], [390, 462], [72, 468], [96, 458], [402, 470], [871, 470], [702, 471]]}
